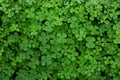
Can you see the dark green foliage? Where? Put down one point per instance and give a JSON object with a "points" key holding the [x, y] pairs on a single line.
{"points": [[59, 39]]}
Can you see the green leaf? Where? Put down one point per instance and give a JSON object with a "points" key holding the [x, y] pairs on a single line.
{"points": [[32, 65], [90, 39], [14, 27], [61, 37], [46, 60]]}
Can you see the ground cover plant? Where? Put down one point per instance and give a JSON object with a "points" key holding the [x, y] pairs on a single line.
{"points": [[59, 39]]}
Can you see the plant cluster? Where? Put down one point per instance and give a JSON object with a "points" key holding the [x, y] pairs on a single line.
{"points": [[59, 39]]}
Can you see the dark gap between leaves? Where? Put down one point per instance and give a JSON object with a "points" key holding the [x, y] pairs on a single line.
{"points": [[48, 79], [103, 73], [14, 75], [77, 66], [14, 45], [105, 33], [107, 55], [1, 14], [118, 16], [76, 78], [40, 57], [0, 22], [95, 21], [9, 47], [15, 0], [118, 45], [118, 9], [103, 8], [77, 50], [44, 21], [88, 16], [64, 22], [27, 19]]}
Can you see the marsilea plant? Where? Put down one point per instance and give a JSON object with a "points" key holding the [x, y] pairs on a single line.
{"points": [[59, 39]]}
